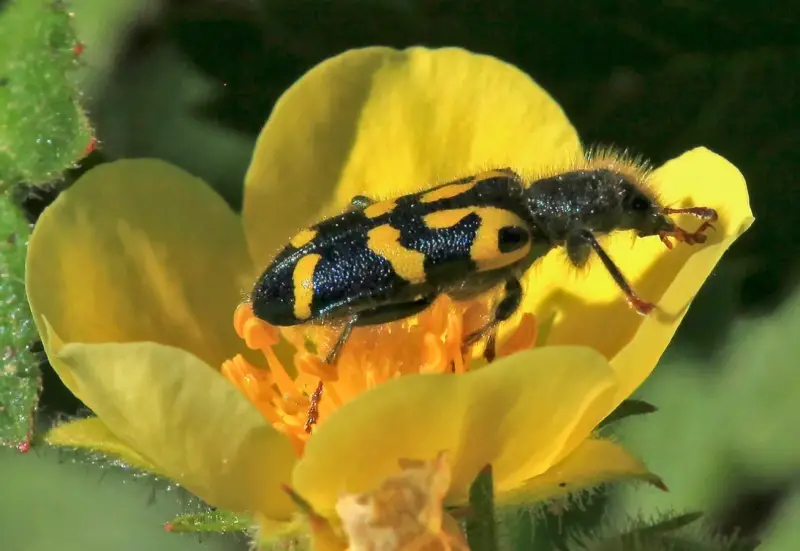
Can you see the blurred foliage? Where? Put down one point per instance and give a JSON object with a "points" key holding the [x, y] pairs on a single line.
{"points": [[724, 439], [192, 82], [60, 504], [43, 128], [627, 408]]}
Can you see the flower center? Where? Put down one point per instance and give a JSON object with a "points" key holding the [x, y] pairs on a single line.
{"points": [[298, 384]]}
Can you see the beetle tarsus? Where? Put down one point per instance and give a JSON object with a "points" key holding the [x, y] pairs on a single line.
{"points": [[704, 213], [313, 407], [502, 312], [490, 352], [641, 306], [690, 238], [331, 359]]}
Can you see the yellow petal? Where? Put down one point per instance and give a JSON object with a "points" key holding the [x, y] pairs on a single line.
{"points": [[92, 434], [519, 415], [138, 250], [383, 122], [590, 310], [184, 418], [592, 463]]}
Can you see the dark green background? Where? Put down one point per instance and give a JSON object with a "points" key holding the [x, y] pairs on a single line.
{"points": [[193, 82]]}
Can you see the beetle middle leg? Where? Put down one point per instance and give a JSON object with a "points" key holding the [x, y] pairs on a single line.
{"points": [[374, 316], [331, 358], [333, 354], [503, 311], [581, 244], [377, 315]]}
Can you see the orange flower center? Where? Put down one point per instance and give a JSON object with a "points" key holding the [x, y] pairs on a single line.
{"points": [[284, 389]]}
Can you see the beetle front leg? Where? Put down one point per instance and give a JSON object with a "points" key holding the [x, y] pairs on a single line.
{"points": [[584, 241]]}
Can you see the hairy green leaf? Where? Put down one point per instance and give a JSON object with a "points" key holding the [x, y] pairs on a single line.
{"points": [[218, 521], [481, 528]]}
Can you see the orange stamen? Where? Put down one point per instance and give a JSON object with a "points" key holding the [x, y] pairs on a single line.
{"points": [[296, 399]]}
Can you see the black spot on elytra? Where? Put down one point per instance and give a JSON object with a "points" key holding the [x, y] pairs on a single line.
{"points": [[511, 238]]}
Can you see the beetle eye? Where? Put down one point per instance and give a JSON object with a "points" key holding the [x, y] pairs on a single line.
{"points": [[639, 204]]}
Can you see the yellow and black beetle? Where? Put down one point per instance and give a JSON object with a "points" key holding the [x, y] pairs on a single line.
{"points": [[384, 261]]}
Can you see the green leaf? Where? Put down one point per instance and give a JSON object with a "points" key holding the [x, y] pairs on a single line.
{"points": [[158, 101], [666, 534], [51, 503], [481, 527], [20, 378], [670, 524], [219, 521], [43, 129], [627, 409], [555, 524]]}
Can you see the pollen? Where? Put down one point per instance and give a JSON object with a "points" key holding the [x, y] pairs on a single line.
{"points": [[288, 380]]}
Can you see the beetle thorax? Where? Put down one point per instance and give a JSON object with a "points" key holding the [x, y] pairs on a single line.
{"points": [[581, 199]]}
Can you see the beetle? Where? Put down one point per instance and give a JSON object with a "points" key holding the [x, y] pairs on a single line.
{"points": [[382, 261]]}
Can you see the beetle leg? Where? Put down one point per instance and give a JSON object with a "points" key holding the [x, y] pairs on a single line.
{"points": [[333, 355], [578, 249], [588, 239], [704, 213], [313, 407], [503, 311]]}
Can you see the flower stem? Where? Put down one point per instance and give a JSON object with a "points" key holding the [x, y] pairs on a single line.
{"points": [[20, 378]]}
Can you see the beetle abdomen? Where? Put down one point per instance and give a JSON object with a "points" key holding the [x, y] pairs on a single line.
{"points": [[394, 252]]}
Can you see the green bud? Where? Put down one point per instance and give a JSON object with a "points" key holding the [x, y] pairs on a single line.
{"points": [[43, 129]]}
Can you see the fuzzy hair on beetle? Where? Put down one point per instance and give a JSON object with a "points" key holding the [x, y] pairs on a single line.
{"points": [[589, 185], [386, 260]]}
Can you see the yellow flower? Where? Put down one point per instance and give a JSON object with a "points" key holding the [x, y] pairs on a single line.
{"points": [[134, 273]]}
